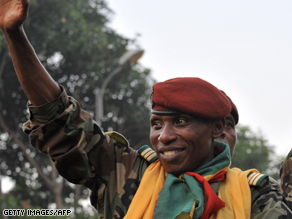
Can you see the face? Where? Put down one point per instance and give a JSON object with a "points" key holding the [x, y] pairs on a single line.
{"points": [[182, 142], [228, 135]]}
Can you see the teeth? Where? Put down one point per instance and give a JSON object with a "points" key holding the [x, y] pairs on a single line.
{"points": [[169, 153]]}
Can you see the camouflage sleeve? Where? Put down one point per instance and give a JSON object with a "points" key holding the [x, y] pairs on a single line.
{"points": [[82, 153], [286, 178], [268, 202]]}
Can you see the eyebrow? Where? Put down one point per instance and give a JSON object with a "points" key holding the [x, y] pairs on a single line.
{"points": [[230, 118]]}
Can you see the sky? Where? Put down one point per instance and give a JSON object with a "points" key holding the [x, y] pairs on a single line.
{"points": [[242, 47]]}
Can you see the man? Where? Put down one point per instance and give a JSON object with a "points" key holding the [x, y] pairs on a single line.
{"points": [[187, 176], [229, 137]]}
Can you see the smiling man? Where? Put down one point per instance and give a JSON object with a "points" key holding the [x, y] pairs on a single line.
{"points": [[188, 174], [187, 114], [182, 142]]}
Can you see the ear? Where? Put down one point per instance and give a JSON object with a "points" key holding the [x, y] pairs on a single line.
{"points": [[218, 127]]}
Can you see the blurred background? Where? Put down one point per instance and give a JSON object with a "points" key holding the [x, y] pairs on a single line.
{"points": [[109, 53]]}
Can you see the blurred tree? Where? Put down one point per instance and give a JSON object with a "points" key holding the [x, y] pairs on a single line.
{"points": [[75, 44], [253, 151]]}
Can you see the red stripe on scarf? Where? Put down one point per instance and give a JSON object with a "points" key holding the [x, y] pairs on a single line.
{"points": [[219, 177], [212, 202]]}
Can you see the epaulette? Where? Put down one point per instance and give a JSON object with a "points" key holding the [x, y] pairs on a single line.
{"points": [[147, 153], [255, 179], [118, 137]]}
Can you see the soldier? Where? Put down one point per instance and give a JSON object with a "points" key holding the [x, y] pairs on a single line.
{"points": [[229, 137], [188, 174]]}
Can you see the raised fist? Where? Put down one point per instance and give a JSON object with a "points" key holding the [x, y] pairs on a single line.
{"points": [[13, 13]]}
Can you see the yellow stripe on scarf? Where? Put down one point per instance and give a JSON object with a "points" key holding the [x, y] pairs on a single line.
{"points": [[144, 201], [235, 192]]}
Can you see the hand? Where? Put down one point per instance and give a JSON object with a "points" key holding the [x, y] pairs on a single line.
{"points": [[13, 13]]}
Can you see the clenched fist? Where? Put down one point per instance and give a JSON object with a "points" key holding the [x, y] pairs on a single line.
{"points": [[13, 13]]}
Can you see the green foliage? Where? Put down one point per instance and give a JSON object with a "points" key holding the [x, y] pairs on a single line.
{"points": [[253, 151], [75, 44]]}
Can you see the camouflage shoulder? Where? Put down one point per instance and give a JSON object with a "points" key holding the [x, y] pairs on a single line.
{"points": [[147, 153], [260, 184], [267, 201]]}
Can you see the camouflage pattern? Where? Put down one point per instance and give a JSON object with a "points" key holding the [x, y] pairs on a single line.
{"points": [[84, 154], [268, 201], [286, 179]]}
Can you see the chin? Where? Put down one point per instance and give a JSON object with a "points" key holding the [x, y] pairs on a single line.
{"points": [[174, 172]]}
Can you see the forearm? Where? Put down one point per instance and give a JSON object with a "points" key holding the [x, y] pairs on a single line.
{"points": [[36, 82]]}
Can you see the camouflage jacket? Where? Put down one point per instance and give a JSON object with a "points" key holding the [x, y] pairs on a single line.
{"points": [[286, 178], [104, 163]]}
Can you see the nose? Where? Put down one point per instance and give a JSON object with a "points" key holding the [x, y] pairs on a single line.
{"points": [[167, 135], [222, 136]]}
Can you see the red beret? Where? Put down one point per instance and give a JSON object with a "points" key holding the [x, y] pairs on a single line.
{"points": [[189, 95], [234, 111]]}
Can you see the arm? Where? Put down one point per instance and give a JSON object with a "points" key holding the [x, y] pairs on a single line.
{"points": [[83, 154], [37, 84]]}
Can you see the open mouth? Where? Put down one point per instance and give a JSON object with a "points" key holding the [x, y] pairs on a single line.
{"points": [[171, 153]]}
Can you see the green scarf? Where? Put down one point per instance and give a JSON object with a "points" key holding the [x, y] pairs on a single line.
{"points": [[184, 197]]}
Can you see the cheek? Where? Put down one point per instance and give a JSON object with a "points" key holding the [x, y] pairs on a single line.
{"points": [[153, 138], [201, 143], [232, 138]]}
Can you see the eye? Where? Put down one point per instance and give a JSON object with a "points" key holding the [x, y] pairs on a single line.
{"points": [[181, 121], [156, 124], [229, 124]]}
